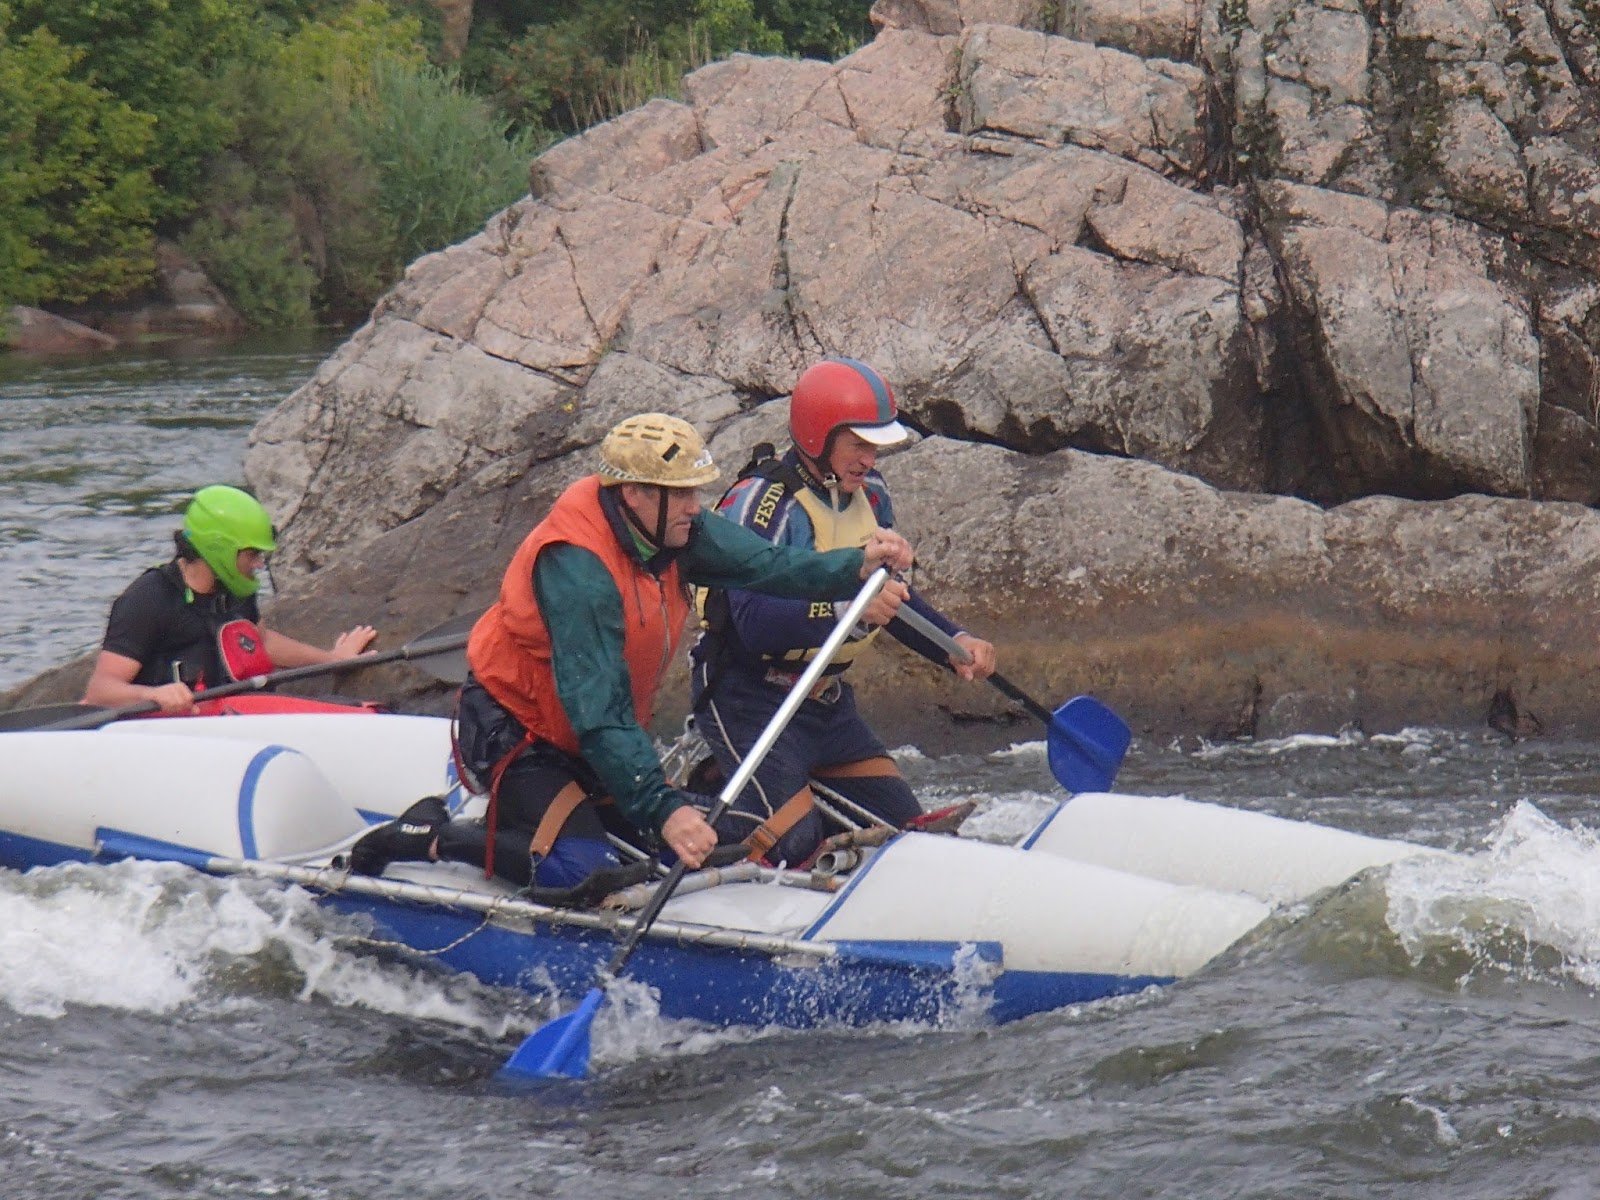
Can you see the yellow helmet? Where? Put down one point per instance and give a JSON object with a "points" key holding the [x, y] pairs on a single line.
{"points": [[654, 448]]}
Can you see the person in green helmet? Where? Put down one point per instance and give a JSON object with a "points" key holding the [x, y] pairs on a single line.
{"points": [[193, 622]]}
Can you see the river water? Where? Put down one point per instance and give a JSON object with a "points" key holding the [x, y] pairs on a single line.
{"points": [[97, 458], [1427, 1032]]}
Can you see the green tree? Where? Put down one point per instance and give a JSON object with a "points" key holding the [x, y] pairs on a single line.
{"points": [[257, 231], [826, 29], [612, 55], [567, 65], [76, 194], [350, 157], [158, 57], [343, 48], [289, 223]]}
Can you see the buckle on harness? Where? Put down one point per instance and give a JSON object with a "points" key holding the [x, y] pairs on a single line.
{"points": [[827, 690]]}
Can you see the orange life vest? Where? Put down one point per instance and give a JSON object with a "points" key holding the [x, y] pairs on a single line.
{"points": [[509, 649]]}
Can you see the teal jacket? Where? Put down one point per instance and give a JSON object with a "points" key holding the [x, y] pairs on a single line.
{"points": [[583, 612]]}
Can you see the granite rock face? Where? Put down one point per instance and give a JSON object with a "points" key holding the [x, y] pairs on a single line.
{"points": [[1257, 345]]}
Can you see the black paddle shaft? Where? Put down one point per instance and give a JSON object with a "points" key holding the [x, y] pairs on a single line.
{"points": [[1022, 697], [949, 645], [93, 718]]}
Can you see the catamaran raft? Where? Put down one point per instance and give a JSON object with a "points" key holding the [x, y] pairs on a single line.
{"points": [[1109, 895]]}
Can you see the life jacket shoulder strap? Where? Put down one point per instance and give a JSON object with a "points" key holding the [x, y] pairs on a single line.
{"points": [[765, 464]]}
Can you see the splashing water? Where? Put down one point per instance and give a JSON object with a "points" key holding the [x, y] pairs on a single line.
{"points": [[1528, 904], [155, 938]]}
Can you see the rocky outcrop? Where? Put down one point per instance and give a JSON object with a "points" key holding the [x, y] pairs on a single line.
{"points": [[34, 331], [1257, 343], [182, 302]]}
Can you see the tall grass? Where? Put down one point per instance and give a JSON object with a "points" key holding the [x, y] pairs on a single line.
{"points": [[645, 72], [444, 163]]}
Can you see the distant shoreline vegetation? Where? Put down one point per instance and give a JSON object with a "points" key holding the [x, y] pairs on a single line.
{"points": [[305, 151]]}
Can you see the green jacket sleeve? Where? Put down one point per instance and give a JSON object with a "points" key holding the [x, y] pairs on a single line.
{"points": [[722, 553], [583, 612]]}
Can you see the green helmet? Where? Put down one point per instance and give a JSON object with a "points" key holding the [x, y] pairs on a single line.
{"points": [[221, 521]]}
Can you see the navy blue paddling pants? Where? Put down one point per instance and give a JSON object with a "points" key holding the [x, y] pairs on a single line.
{"points": [[823, 734]]}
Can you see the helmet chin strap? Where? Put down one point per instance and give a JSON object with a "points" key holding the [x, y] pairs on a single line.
{"points": [[824, 475], [827, 478], [658, 539]]}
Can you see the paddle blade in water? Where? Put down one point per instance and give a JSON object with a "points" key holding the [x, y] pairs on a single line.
{"points": [[1087, 743], [558, 1048]]}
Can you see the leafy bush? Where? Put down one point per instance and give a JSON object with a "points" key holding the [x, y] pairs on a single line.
{"points": [[252, 252], [611, 56], [303, 150], [156, 56], [343, 47], [826, 29], [76, 194], [337, 178], [287, 223]]}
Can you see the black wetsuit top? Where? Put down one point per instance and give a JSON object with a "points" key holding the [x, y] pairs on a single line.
{"points": [[158, 621]]}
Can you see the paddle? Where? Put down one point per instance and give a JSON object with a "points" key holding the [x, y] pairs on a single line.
{"points": [[560, 1047], [438, 643], [1086, 741]]}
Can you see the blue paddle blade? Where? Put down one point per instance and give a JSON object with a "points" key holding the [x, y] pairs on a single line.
{"points": [[558, 1048], [1087, 742]]}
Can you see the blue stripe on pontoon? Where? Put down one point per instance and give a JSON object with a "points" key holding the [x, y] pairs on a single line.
{"points": [[118, 843], [247, 797], [1027, 843], [843, 894], [927, 956], [880, 389]]}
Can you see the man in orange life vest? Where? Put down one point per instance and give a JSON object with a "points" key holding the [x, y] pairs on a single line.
{"points": [[194, 620], [565, 666], [825, 492]]}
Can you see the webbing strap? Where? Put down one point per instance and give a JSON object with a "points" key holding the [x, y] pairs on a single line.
{"points": [[563, 806], [492, 817], [767, 834], [467, 780]]}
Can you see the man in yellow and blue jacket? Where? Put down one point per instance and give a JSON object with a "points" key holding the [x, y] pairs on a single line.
{"points": [[825, 493]]}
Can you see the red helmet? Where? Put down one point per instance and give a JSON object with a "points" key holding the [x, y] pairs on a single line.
{"points": [[839, 393]]}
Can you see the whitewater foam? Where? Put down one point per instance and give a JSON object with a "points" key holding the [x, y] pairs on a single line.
{"points": [[1532, 896], [155, 938]]}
